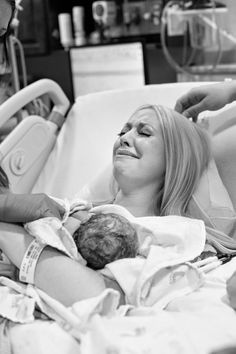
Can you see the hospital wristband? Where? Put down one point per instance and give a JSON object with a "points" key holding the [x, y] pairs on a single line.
{"points": [[29, 262]]}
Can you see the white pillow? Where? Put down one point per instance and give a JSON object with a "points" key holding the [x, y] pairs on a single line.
{"points": [[100, 190]]}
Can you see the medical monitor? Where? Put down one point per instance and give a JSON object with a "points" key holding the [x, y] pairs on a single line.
{"points": [[108, 66]]}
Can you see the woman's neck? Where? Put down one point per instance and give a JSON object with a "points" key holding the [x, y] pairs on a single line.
{"points": [[139, 202]]}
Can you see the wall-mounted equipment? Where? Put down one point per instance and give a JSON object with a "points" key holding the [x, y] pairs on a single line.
{"points": [[127, 18], [203, 26], [104, 15]]}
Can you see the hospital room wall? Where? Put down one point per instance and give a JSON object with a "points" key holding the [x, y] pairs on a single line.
{"points": [[56, 66]]}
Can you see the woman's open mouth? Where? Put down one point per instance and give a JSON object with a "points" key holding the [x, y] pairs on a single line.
{"points": [[124, 152]]}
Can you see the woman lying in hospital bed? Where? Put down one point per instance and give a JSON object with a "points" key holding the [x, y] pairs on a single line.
{"points": [[158, 160], [70, 281]]}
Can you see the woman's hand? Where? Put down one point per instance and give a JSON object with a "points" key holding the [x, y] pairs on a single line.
{"points": [[206, 97], [24, 208]]}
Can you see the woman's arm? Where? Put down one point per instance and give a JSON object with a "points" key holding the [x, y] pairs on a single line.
{"points": [[56, 274]]}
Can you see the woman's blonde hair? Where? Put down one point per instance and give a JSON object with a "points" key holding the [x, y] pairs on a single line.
{"points": [[187, 153]]}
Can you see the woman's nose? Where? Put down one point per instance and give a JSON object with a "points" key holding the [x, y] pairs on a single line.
{"points": [[126, 139]]}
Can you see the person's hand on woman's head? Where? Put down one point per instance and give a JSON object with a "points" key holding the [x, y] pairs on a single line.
{"points": [[28, 207], [206, 97]]}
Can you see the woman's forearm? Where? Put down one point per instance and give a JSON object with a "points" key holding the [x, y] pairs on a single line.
{"points": [[14, 241], [66, 280], [56, 274]]}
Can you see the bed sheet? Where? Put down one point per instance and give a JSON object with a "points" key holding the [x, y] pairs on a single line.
{"points": [[41, 337], [198, 323], [194, 323]]}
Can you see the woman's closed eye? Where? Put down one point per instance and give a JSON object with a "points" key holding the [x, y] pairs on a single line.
{"points": [[141, 129], [144, 130], [144, 133], [123, 132]]}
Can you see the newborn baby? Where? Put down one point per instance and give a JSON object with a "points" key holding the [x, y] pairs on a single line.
{"points": [[104, 238]]}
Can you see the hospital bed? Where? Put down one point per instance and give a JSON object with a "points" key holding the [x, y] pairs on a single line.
{"points": [[72, 148]]}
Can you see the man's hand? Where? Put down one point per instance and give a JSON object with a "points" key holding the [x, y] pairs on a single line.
{"points": [[28, 207], [206, 97]]}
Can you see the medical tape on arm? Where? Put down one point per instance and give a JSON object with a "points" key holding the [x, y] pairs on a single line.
{"points": [[29, 262]]}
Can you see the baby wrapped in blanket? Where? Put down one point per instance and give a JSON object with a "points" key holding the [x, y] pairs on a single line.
{"points": [[162, 269], [99, 238]]}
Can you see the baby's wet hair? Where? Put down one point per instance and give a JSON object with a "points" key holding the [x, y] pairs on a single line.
{"points": [[105, 238]]}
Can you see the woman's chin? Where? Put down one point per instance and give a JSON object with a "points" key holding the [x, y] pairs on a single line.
{"points": [[122, 169], [122, 164]]}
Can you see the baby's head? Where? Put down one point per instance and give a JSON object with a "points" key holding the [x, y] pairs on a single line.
{"points": [[105, 238]]}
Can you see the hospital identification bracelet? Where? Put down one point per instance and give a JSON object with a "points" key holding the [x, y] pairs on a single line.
{"points": [[29, 262]]}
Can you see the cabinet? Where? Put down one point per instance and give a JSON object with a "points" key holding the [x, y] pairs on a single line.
{"points": [[50, 66]]}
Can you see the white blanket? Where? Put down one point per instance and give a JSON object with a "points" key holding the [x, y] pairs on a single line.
{"points": [[162, 270], [196, 322], [171, 307]]}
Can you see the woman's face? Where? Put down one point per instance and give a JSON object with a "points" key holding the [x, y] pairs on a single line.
{"points": [[138, 153], [5, 16]]}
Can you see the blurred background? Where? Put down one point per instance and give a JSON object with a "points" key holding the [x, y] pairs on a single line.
{"points": [[87, 46]]}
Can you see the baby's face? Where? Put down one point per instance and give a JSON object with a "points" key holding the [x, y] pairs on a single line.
{"points": [[73, 222]]}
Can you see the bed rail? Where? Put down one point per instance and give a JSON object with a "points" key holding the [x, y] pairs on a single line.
{"points": [[29, 93], [25, 150]]}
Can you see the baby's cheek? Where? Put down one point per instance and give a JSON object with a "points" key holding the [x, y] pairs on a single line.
{"points": [[72, 224]]}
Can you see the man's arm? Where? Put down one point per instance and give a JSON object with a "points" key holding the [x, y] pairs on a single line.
{"points": [[206, 97], [23, 208]]}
